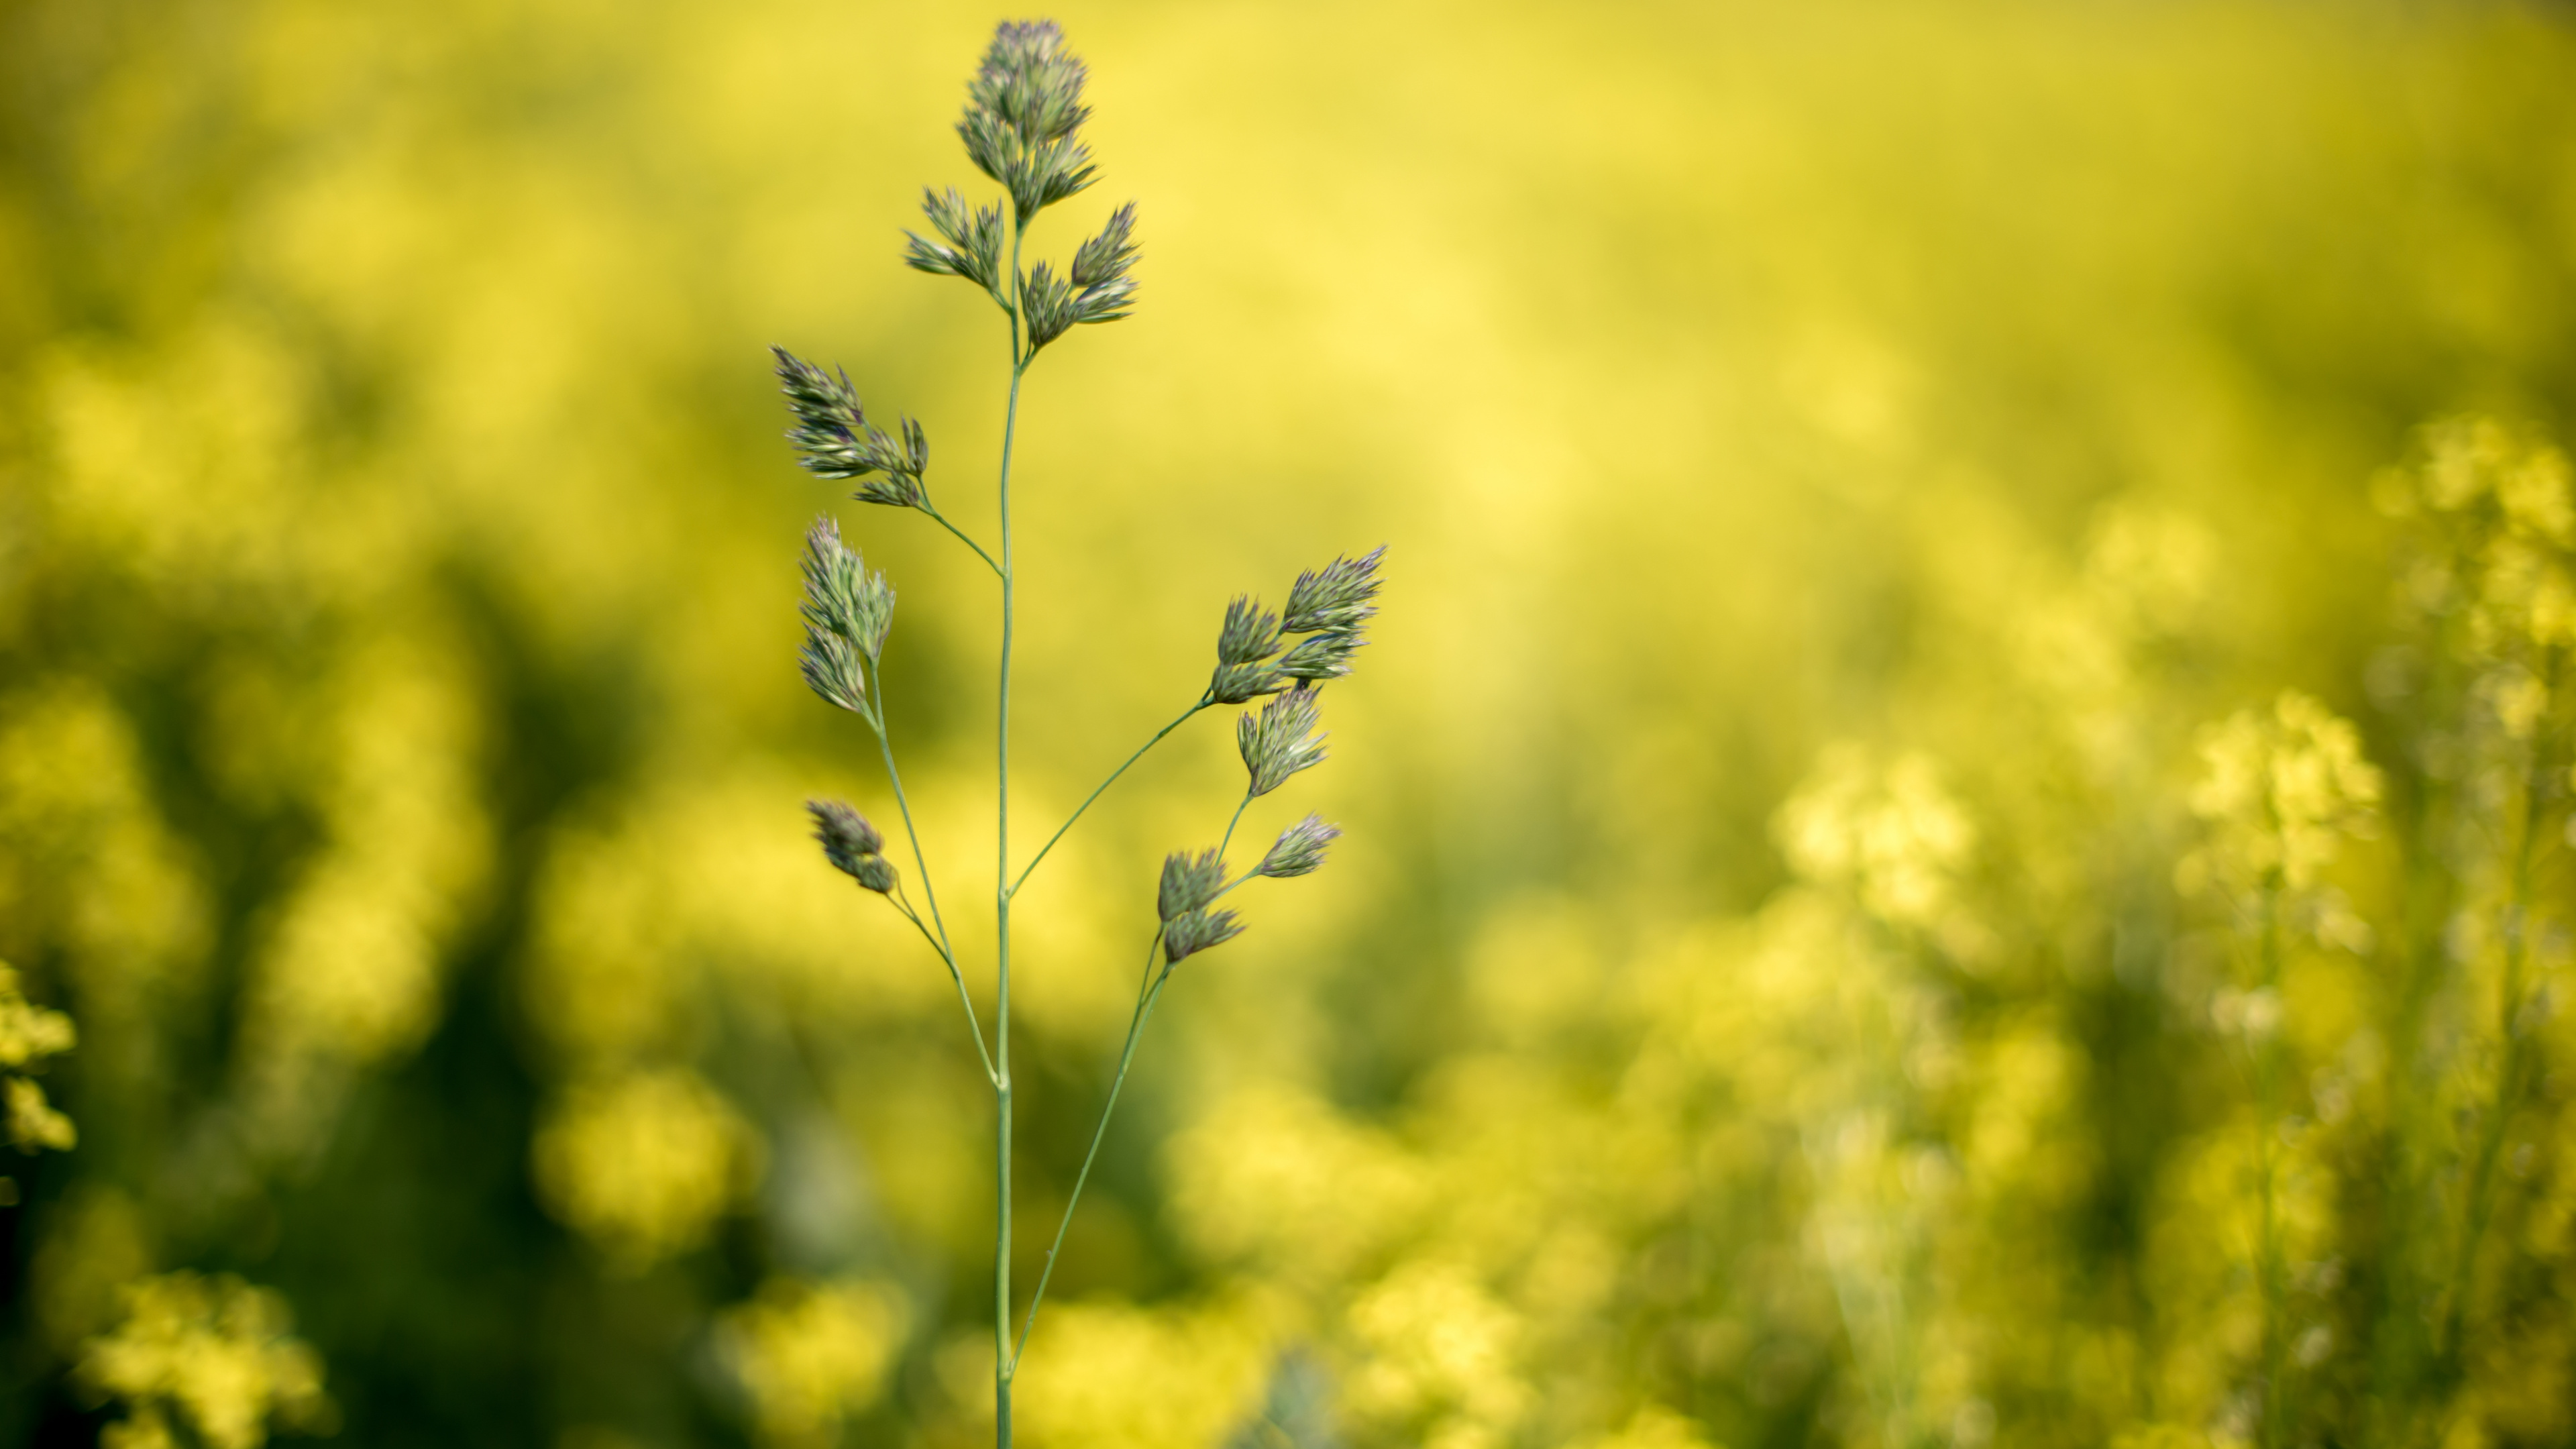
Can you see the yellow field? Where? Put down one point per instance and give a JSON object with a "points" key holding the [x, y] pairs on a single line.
{"points": [[1958, 817]]}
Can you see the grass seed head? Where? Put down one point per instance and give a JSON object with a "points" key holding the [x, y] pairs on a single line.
{"points": [[1249, 636], [1189, 883], [1319, 657], [1280, 741], [970, 244], [851, 844], [834, 439], [1339, 596], [1250, 632], [848, 612], [1299, 849], [1024, 111], [1188, 935]]}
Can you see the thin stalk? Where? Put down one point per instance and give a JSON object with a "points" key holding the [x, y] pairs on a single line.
{"points": [[2266, 1114], [1002, 1364], [939, 942], [2479, 1204], [1147, 996], [954, 974], [894, 777], [942, 520], [1229, 828], [1143, 1013], [1177, 722], [2404, 1341]]}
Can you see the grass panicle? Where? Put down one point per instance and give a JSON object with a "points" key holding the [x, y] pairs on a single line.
{"points": [[1022, 128]]}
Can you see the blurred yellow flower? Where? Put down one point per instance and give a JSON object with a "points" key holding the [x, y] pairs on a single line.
{"points": [[1123, 1376], [216, 1352], [644, 1163], [1890, 834], [29, 1034], [811, 1356], [1441, 1357], [2280, 793]]}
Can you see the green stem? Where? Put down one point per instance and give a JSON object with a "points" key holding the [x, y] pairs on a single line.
{"points": [[1143, 1013], [1103, 789], [2268, 1249], [939, 942], [894, 777], [1147, 996], [1002, 1361], [954, 974], [1231, 823], [942, 520], [2479, 1204], [2405, 1340]]}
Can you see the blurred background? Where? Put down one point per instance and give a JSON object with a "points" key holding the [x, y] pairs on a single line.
{"points": [[1957, 816]]}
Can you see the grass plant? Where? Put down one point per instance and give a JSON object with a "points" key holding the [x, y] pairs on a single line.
{"points": [[1023, 130]]}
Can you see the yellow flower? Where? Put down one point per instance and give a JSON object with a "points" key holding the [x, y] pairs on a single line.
{"points": [[2280, 792], [810, 1356], [644, 1164], [217, 1352]]}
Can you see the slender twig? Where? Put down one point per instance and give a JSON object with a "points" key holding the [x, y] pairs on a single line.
{"points": [[1177, 722]]}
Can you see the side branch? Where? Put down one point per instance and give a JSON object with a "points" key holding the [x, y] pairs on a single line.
{"points": [[1150, 991], [921, 863], [942, 520], [1143, 1013], [1102, 788], [973, 1024]]}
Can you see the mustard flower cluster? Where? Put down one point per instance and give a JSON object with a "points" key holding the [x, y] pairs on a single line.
{"points": [[2499, 498], [30, 1034], [2279, 791], [644, 1162], [212, 1353], [1893, 837], [811, 1356]]}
